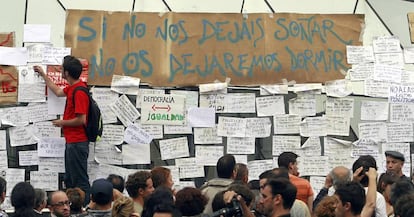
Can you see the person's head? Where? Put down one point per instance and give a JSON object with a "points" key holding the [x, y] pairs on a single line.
{"points": [[395, 162], [242, 173], [123, 207], [326, 208], [288, 161], [385, 182], [40, 199], [77, 197], [278, 196], [59, 204], [139, 184], [161, 176], [71, 67], [160, 200], [400, 188], [101, 192], [404, 207], [190, 201], [350, 198], [226, 167], [243, 191], [264, 176], [3, 185], [365, 161], [22, 198], [117, 181], [340, 174]]}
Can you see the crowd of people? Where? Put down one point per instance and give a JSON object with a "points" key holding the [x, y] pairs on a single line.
{"points": [[359, 191]]}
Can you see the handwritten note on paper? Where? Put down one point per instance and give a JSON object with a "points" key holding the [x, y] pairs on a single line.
{"points": [[312, 147], [106, 153], [402, 113], [257, 167], [28, 158], [215, 101], [191, 97], [52, 164], [38, 112], [45, 180], [213, 87], [207, 136], [135, 135], [112, 134], [408, 54], [359, 54], [2, 140], [3, 163], [313, 126], [136, 154], [400, 132], [242, 145], [189, 168], [258, 127], [20, 136], [403, 148], [286, 124], [105, 97], [177, 129], [387, 73], [125, 110], [401, 94], [174, 148], [13, 56], [208, 155], [377, 88], [54, 55], [16, 116], [35, 51], [303, 105], [230, 103], [273, 89], [340, 160], [333, 146], [51, 147], [368, 149], [376, 131], [142, 91], [29, 90], [386, 44], [393, 59], [340, 107], [240, 158], [338, 126], [201, 117], [338, 88], [231, 127], [153, 129], [12, 177], [36, 32], [374, 110], [285, 143], [361, 72], [55, 104], [46, 129], [125, 84], [314, 166], [163, 109], [270, 105]]}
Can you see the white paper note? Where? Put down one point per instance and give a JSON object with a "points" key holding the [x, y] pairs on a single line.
{"points": [[374, 110], [201, 117], [37, 32], [28, 158], [270, 105], [51, 147], [105, 97], [136, 154], [135, 135], [285, 143], [112, 134], [125, 110], [45, 180], [125, 84], [340, 107], [400, 132], [54, 55], [243, 145], [359, 54], [14, 56], [286, 124], [208, 155], [174, 148], [207, 136]]}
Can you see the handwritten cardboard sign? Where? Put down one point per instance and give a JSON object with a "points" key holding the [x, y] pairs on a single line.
{"points": [[182, 49]]}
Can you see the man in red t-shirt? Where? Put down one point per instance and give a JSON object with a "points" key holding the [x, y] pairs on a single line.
{"points": [[74, 119]]}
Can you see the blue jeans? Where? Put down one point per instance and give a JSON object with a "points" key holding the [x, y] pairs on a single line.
{"points": [[76, 167]]}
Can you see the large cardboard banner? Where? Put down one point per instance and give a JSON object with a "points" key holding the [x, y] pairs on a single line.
{"points": [[185, 49]]}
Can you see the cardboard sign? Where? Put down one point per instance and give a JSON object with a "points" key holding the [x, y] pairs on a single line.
{"points": [[187, 49], [163, 109]]}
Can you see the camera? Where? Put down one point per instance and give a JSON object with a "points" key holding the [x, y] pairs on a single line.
{"points": [[234, 210]]}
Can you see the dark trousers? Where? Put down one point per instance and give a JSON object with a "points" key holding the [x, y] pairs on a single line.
{"points": [[76, 167]]}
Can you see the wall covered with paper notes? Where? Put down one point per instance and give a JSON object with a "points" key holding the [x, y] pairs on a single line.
{"points": [[182, 88]]}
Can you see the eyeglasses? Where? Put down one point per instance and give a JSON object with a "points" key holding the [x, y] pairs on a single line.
{"points": [[62, 203]]}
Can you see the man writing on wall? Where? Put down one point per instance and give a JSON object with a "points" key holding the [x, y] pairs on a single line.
{"points": [[74, 119]]}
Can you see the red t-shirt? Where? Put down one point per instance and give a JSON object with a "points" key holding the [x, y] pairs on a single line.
{"points": [[75, 134]]}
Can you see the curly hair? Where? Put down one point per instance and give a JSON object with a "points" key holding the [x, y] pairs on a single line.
{"points": [[190, 201], [326, 208]]}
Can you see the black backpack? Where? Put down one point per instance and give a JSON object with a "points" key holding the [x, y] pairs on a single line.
{"points": [[94, 126]]}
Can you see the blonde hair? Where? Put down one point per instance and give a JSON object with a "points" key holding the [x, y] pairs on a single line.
{"points": [[123, 207]]}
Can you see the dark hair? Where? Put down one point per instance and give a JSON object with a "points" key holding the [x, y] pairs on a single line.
{"points": [[353, 193], [117, 181], [241, 171], [400, 188], [22, 198], [77, 197], [254, 184], [3, 185], [365, 161], [136, 181], [405, 206], [40, 197], [225, 166], [384, 180], [281, 172], [268, 174], [160, 176], [243, 191], [161, 200], [286, 158], [73, 66], [190, 201], [285, 188]]}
